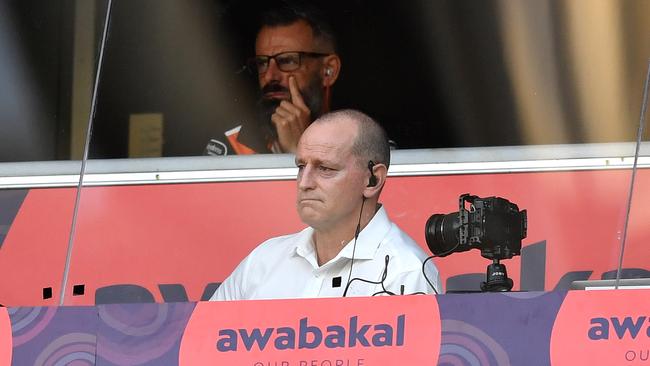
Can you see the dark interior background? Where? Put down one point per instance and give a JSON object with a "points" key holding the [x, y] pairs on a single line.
{"points": [[35, 67], [390, 71], [434, 73]]}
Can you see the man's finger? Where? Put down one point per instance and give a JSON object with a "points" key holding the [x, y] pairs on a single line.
{"points": [[288, 107], [278, 121], [283, 112], [296, 97]]}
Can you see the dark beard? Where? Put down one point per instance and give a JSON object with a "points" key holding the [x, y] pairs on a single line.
{"points": [[312, 95]]}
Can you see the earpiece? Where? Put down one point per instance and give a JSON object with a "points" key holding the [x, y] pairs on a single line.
{"points": [[328, 71], [373, 179]]}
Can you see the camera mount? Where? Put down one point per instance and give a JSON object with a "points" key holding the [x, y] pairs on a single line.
{"points": [[497, 278]]}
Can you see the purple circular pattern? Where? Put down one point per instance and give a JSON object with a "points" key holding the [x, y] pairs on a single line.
{"points": [[27, 323], [132, 334], [77, 348], [465, 344], [126, 323], [450, 359], [524, 295]]}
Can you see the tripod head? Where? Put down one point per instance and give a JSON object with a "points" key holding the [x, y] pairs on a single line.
{"points": [[497, 278]]}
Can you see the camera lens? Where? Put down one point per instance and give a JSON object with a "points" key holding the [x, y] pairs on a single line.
{"points": [[441, 233]]}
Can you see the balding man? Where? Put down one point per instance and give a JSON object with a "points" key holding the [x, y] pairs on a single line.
{"points": [[351, 248]]}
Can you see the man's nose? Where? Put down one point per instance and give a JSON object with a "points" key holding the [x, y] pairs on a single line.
{"points": [[305, 179], [273, 73]]}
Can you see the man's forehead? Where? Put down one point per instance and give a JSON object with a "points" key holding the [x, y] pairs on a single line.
{"points": [[322, 139], [296, 36], [336, 131], [338, 126], [321, 150]]}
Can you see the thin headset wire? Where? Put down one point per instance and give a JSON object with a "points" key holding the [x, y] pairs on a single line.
{"points": [[385, 272], [384, 275], [424, 273], [354, 247]]}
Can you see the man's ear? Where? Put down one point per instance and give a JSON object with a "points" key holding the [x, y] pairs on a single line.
{"points": [[331, 69], [380, 172]]}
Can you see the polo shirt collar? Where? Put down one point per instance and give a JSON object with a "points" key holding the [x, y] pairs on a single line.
{"points": [[304, 245], [367, 243]]}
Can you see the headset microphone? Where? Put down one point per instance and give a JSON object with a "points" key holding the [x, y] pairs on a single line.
{"points": [[373, 179]]}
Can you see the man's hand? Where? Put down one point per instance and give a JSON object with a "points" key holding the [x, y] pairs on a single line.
{"points": [[291, 118]]}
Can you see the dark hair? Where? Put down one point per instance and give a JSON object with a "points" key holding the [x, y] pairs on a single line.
{"points": [[282, 13], [371, 142]]}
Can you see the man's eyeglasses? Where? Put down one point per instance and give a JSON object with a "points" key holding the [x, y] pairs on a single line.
{"points": [[286, 61]]}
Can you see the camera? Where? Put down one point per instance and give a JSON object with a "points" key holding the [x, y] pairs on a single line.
{"points": [[493, 225]]}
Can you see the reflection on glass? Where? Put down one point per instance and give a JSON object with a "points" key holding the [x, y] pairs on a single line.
{"points": [[46, 70], [438, 74]]}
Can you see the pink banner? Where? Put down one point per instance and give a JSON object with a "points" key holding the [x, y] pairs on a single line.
{"points": [[176, 242]]}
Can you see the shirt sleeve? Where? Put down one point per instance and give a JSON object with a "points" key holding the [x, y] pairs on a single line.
{"points": [[233, 288], [433, 275]]}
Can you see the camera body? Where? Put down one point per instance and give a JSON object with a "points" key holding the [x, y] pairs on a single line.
{"points": [[493, 224]]}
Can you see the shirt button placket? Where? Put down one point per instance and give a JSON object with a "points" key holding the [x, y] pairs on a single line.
{"points": [[317, 282]]}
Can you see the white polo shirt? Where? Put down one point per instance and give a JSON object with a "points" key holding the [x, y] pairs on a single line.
{"points": [[287, 266]]}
